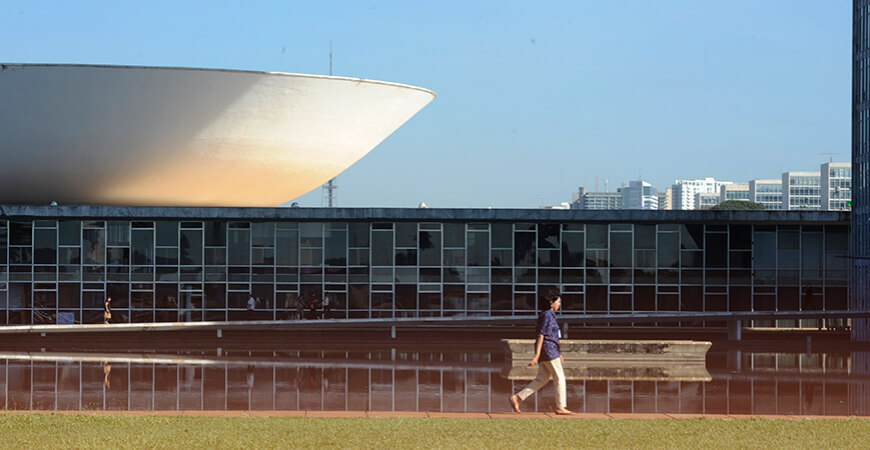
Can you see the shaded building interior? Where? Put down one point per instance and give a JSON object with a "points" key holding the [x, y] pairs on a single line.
{"points": [[58, 264]]}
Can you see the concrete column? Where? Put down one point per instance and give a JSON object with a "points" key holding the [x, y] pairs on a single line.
{"points": [[393, 332], [734, 361], [735, 330]]}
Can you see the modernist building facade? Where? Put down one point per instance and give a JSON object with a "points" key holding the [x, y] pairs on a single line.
{"points": [[58, 264], [861, 163]]}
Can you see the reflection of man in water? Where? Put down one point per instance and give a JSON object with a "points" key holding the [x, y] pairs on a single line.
{"points": [[809, 390], [250, 378], [250, 383], [107, 369]]}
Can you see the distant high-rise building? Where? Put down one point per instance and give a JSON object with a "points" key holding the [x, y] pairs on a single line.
{"points": [[766, 192], [706, 200], [666, 199], [801, 190], [597, 200], [685, 191], [563, 205], [733, 192], [836, 186], [641, 195]]}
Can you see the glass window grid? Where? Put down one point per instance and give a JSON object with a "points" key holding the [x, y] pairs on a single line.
{"points": [[46, 281]]}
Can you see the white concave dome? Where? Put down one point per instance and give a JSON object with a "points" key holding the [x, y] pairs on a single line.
{"points": [[118, 135]]}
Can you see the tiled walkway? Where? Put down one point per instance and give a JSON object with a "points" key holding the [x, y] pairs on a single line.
{"points": [[452, 415]]}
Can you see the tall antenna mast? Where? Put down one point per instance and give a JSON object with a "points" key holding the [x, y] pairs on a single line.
{"points": [[328, 198]]}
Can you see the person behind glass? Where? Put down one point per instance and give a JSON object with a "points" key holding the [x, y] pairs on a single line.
{"points": [[300, 307], [312, 305], [325, 306], [547, 356], [107, 312], [250, 307]]}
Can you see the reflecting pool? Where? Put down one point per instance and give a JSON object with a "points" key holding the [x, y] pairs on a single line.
{"points": [[732, 382]]}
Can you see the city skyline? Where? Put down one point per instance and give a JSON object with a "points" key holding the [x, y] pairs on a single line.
{"points": [[533, 100], [614, 185], [833, 183]]}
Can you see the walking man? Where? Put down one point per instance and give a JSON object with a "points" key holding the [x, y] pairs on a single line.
{"points": [[548, 358]]}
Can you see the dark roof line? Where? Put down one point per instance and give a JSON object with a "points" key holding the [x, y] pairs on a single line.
{"points": [[419, 214]]}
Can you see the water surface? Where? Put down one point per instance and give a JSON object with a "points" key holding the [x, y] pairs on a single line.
{"points": [[732, 382]]}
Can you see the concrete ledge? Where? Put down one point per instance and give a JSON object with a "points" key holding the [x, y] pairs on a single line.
{"points": [[630, 370], [288, 362], [462, 320], [602, 350]]}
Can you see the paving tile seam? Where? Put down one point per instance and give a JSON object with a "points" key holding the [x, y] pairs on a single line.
{"points": [[435, 415]]}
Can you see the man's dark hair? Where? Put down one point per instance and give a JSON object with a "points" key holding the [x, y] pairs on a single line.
{"points": [[549, 297]]}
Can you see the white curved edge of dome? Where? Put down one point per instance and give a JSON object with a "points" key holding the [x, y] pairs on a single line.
{"points": [[6, 65]]}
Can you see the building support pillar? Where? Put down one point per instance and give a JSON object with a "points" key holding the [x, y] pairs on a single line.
{"points": [[735, 330], [734, 361]]}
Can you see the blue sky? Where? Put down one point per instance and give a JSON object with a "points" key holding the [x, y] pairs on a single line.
{"points": [[534, 98]]}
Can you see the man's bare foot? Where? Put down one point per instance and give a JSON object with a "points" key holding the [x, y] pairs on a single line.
{"points": [[564, 412], [515, 403]]}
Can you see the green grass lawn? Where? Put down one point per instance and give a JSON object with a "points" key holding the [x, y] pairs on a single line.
{"points": [[84, 431]]}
